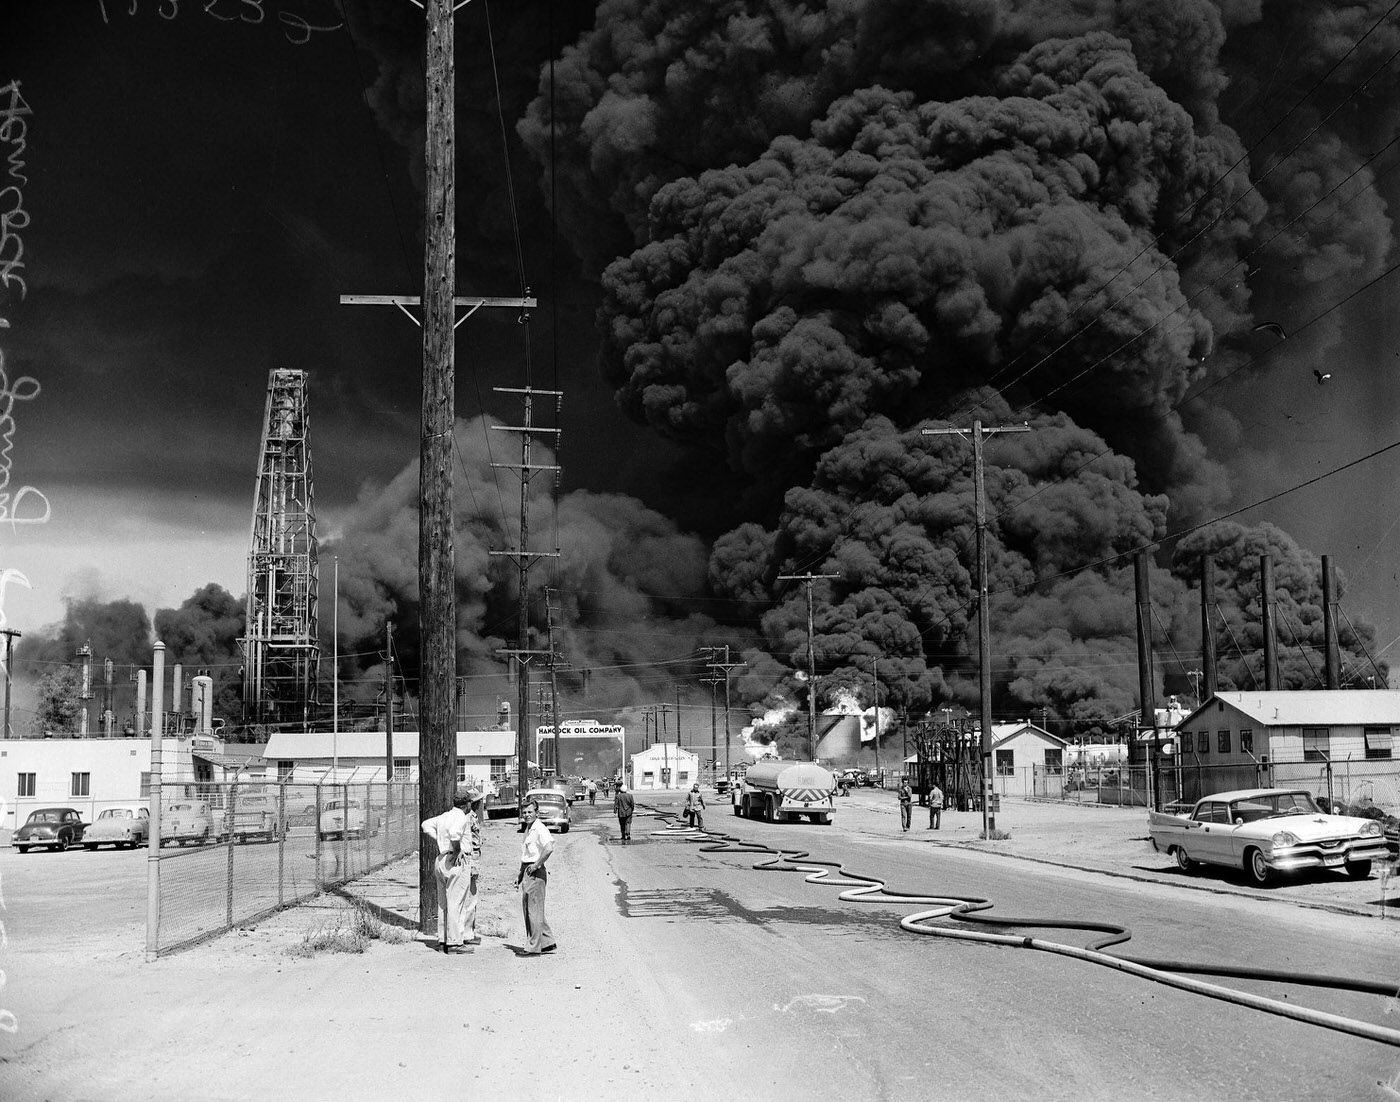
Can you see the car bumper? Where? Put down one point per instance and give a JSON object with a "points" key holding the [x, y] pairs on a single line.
{"points": [[1312, 857], [554, 824]]}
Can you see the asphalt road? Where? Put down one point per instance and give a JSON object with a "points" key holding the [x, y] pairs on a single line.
{"points": [[690, 975]]}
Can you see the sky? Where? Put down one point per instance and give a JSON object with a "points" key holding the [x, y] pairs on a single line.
{"points": [[201, 182]]}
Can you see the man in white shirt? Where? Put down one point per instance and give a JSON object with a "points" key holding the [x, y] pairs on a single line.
{"points": [[458, 836], [532, 879]]}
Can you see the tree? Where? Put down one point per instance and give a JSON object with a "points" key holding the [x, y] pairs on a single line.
{"points": [[57, 710]]}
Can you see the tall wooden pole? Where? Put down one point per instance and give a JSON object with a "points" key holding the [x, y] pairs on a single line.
{"points": [[437, 607], [1208, 660], [1147, 699], [1331, 665], [1266, 602]]}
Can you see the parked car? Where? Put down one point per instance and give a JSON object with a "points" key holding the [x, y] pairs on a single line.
{"points": [[128, 825], [857, 778], [54, 827], [1267, 831], [343, 819], [721, 786], [554, 808], [502, 803], [255, 815], [190, 821]]}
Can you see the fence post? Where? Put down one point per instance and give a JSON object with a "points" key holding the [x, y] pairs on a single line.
{"points": [[343, 866], [281, 836], [316, 829], [230, 824]]}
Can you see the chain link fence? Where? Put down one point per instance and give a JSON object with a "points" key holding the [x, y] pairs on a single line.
{"points": [[231, 853]]}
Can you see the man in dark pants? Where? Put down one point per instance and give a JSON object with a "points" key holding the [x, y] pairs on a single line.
{"points": [[906, 803], [935, 807], [623, 805]]}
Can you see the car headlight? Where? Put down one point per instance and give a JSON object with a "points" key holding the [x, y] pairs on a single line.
{"points": [[1283, 839], [1371, 829]]}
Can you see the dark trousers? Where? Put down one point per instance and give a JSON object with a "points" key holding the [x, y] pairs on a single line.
{"points": [[905, 810], [538, 936], [935, 816], [625, 822]]}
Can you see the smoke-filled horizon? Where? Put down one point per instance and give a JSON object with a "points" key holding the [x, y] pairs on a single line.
{"points": [[812, 231]]}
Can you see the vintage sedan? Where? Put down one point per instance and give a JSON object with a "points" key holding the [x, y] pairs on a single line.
{"points": [[554, 808], [343, 819], [190, 821], [128, 825], [1267, 831], [54, 827]]}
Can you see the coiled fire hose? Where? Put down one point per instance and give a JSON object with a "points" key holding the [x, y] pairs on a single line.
{"points": [[860, 888]]}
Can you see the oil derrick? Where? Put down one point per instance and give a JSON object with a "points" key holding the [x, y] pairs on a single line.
{"points": [[280, 647]]}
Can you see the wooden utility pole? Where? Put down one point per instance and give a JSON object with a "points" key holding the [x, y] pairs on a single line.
{"points": [[389, 706], [10, 636], [807, 578], [437, 615], [724, 667], [875, 691], [984, 615]]}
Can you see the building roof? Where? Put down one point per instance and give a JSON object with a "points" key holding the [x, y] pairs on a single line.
{"points": [[300, 745], [1004, 732], [225, 760], [1309, 707]]}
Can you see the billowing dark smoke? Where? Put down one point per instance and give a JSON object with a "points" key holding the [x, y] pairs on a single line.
{"points": [[203, 634], [620, 592], [831, 225]]}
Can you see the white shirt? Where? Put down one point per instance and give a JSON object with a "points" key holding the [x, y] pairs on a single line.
{"points": [[537, 846], [451, 826]]}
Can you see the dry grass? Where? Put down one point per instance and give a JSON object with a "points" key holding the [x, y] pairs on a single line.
{"points": [[351, 930], [994, 835]]}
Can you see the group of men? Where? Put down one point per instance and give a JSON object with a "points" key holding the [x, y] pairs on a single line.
{"points": [[457, 871], [906, 805]]}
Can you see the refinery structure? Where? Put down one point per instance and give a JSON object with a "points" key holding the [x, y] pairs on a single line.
{"points": [[281, 649]]}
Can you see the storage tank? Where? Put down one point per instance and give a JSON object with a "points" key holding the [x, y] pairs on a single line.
{"points": [[779, 791]]}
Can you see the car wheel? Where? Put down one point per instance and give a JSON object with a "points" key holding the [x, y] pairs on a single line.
{"points": [[1258, 868], [63, 844], [90, 846], [22, 849], [1358, 870], [564, 829], [1183, 862]]}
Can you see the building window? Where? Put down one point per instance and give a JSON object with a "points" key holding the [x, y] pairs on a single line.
{"points": [[1377, 743], [461, 770], [401, 767], [1203, 742], [146, 785], [81, 783], [1246, 740], [284, 771], [1222, 741], [1315, 744], [1054, 762], [648, 778], [498, 765], [683, 778], [26, 784], [1006, 762]]}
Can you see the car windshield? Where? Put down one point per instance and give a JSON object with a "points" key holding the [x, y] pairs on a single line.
{"points": [[555, 802], [182, 807], [116, 813], [1272, 805]]}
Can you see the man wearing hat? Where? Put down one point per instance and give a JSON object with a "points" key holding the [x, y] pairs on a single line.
{"points": [[458, 836]]}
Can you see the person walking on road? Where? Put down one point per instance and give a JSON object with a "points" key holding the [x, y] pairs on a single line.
{"points": [[532, 880], [695, 808], [456, 869], [906, 803], [935, 807], [592, 792], [623, 805]]}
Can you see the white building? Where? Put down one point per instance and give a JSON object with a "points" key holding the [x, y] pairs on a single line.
{"points": [[663, 766], [357, 757], [89, 774], [1023, 750]]}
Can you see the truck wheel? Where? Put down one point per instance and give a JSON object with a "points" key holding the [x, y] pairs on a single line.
{"points": [[1183, 862], [1258, 868], [1358, 870], [770, 812]]}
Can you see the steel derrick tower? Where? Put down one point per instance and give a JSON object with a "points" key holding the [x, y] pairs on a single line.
{"points": [[280, 648]]}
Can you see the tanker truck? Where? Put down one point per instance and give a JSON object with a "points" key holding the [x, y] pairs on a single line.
{"points": [[780, 791]]}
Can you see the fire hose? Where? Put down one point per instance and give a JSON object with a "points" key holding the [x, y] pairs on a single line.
{"points": [[861, 888]]}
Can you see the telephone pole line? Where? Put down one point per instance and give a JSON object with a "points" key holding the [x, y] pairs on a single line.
{"points": [[724, 667], [10, 636], [437, 613], [808, 578], [984, 617]]}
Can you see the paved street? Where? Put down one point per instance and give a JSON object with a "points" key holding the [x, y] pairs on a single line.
{"points": [[685, 974]]}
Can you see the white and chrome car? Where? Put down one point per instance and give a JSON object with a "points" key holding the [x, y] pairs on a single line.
{"points": [[1267, 831], [127, 825]]}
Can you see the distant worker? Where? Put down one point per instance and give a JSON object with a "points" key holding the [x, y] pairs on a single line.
{"points": [[695, 808], [935, 807], [532, 880], [456, 869], [906, 802], [623, 804], [592, 792]]}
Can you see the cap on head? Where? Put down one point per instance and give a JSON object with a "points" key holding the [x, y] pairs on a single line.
{"points": [[466, 796]]}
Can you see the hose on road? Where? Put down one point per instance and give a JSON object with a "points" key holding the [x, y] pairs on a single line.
{"points": [[860, 888]]}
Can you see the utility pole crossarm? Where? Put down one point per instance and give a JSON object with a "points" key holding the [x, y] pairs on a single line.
{"points": [[807, 579]]}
